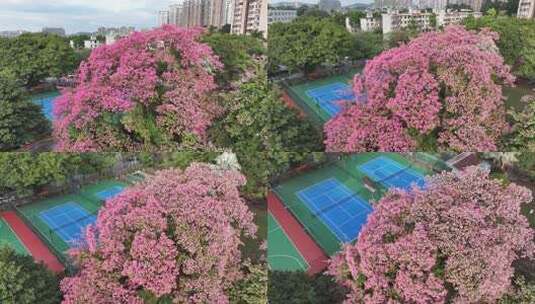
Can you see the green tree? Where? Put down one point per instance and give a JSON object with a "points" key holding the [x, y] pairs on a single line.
{"points": [[33, 57], [27, 172], [524, 293], [79, 40], [21, 121], [306, 43], [22, 281], [526, 163], [300, 288], [368, 44], [237, 53], [522, 137], [253, 288], [267, 137], [517, 41]]}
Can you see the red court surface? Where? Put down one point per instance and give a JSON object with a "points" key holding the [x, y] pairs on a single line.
{"points": [[32, 242], [315, 257]]}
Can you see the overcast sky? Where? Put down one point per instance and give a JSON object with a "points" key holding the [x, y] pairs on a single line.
{"points": [[78, 15]]}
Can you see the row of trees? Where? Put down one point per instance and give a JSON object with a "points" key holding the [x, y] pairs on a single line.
{"points": [[310, 41]]}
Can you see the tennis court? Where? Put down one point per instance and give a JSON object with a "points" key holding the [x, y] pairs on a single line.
{"points": [[343, 211], [310, 197], [322, 99], [46, 102], [330, 96], [103, 190], [10, 239], [61, 220], [282, 253], [69, 221], [392, 174]]}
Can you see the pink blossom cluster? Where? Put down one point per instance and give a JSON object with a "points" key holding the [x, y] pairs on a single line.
{"points": [[441, 86], [456, 238], [177, 235], [163, 75]]}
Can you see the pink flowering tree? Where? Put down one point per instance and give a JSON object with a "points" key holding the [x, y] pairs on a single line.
{"points": [[176, 237], [453, 242], [442, 90], [148, 89]]}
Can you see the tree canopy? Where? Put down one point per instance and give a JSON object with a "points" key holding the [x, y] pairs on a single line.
{"points": [[21, 121], [22, 281], [454, 241], [236, 52], [516, 41], [308, 42], [27, 171], [176, 237], [267, 136], [442, 90], [150, 89], [35, 56]]}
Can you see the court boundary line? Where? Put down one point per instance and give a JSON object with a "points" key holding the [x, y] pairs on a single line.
{"points": [[303, 268], [2, 220], [320, 214], [317, 211], [309, 248], [289, 239]]}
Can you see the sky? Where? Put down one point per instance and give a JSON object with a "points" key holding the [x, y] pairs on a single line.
{"points": [[78, 15]]}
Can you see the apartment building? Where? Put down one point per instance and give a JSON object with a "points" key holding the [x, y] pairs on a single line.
{"points": [[423, 20], [281, 15], [250, 16], [526, 9]]}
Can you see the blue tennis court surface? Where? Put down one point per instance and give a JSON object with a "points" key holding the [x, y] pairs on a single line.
{"points": [[339, 208], [329, 96], [47, 106], [68, 221], [110, 192], [392, 174]]}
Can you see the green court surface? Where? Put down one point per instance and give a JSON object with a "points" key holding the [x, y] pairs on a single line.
{"points": [[282, 253], [31, 213], [9, 238], [91, 192], [345, 170], [299, 95]]}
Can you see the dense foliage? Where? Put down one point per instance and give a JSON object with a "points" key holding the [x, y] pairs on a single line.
{"points": [[175, 237], [516, 42], [21, 121], [29, 172], [253, 287], [453, 242], [297, 287], [33, 57], [263, 132], [307, 42], [440, 91], [22, 281], [238, 53], [522, 137], [150, 89]]}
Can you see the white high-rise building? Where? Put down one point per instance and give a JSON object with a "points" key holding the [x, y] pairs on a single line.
{"points": [[163, 18], [526, 9], [229, 8], [249, 16], [281, 15]]}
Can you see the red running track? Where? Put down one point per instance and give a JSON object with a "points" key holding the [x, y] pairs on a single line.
{"points": [[36, 247], [315, 257]]}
